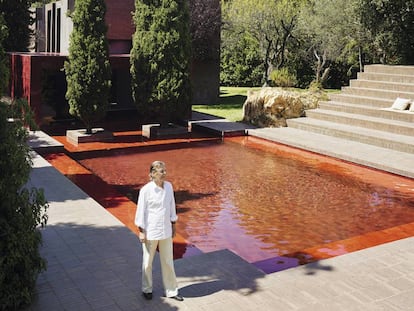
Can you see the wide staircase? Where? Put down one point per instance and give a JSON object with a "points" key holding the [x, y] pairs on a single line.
{"points": [[357, 124]]}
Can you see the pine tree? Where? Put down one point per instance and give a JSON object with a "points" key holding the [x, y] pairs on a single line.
{"points": [[88, 71], [160, 59]]}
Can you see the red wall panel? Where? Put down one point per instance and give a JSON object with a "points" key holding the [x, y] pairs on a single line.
{"points": [[119, 19]]}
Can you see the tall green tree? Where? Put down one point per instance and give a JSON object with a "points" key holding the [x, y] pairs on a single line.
{"points": [[392, 24], [18, 18], [270, 23], [88, 71], [160, 58], [330, 33], [241, 62], [4, 69]]}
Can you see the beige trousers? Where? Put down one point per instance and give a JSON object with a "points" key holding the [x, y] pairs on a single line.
{"points": [[169, 278]]}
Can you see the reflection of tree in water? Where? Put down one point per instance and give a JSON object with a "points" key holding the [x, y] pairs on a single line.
{"points": [[196, 183]]}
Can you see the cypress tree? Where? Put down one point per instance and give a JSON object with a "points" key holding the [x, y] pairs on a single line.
{"points": [[88, 71], [160, 59]]}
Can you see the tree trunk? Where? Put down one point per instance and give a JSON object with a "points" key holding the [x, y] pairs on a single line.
{"points": [[321, 61], [88, 129], [361, 63], [325, 74], [318, 66], [266, 63]]}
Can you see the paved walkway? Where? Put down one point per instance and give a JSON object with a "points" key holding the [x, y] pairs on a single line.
{"points": [[94, 264]]}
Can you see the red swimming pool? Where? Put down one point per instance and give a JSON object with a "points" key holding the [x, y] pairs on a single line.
{"points": [[261, 201]]}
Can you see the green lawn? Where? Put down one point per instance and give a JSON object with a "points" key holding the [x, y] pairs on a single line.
{"points": [[230, 104]]}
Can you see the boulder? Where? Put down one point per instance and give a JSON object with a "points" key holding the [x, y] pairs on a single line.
{"points": [[270, 107]]}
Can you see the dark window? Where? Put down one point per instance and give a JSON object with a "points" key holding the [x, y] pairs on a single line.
{"points": [[54, 27], [49, 29], [58, 25]]}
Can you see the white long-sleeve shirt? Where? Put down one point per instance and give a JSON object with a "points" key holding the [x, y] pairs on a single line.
{"points": [[156, 210]]}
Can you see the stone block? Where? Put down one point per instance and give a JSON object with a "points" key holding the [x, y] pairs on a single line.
{"points": [[156, 131], [78, 136]]}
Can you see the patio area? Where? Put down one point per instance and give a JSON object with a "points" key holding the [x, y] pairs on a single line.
{"points": [[94, 263]]}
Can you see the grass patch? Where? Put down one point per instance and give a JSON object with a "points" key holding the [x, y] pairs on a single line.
{"points": [[230, 103]]}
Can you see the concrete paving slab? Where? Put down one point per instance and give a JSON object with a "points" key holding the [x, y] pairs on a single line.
{"points": [[39, 140]]}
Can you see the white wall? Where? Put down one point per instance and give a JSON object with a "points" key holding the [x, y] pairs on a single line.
{"points": [[66, 24]]}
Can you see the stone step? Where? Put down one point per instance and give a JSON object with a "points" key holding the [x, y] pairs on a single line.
{"points": [[385, 113], [362, 100], [393, 126], [389, 94], [385, 159], [382, 85], [390, 69], [373, 76], [383, 139]]}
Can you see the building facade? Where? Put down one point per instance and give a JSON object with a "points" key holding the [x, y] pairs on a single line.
{"points": [[39, 77]]}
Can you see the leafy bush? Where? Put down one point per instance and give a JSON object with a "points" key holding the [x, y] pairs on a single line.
{"points": [[315, 86], [22, 210], [283, 78]]}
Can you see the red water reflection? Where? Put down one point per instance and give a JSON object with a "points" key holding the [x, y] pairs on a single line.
{"points": [[262, 201]]}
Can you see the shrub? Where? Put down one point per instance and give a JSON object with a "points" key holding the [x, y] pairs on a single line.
{"points": [[283, 78], [315, 86], [22, 210]]}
